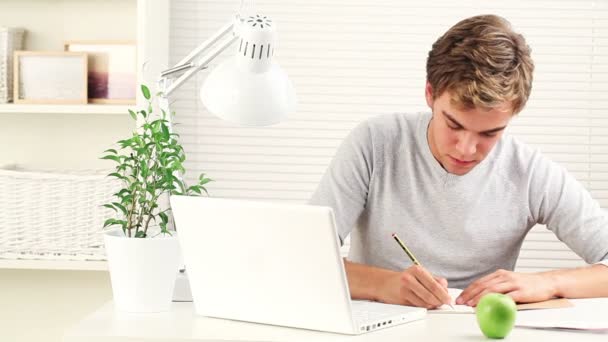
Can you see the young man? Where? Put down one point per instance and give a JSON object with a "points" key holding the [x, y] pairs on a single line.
{"points": [[460, 194]]}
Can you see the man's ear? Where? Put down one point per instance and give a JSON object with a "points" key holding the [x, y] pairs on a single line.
{"points": [[428, 94]]}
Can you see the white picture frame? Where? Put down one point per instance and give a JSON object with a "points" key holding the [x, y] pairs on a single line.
{"points": [[112, 76], [42, 77]]}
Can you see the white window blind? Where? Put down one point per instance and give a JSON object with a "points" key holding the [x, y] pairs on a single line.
{"points": [[353, 59]]}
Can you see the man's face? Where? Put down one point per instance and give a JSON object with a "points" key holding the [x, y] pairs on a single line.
{"points": [[461, 138]]}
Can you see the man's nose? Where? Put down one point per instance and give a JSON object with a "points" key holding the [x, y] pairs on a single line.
{"points": [[467, 145]]}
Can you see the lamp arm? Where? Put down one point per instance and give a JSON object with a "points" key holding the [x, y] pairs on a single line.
{"points": [[227, 28], [193, 67], [201, 64]]}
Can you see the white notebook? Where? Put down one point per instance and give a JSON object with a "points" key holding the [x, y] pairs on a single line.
{"points": [[454, 293]]}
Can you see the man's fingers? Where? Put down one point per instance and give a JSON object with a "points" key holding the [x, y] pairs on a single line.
{"points": [[504, 287], [515, 295], [410, 285], [442, 281], [477, 286], [413, 299], [475, 290], [423, 293], [410, 298], [432, 286]]}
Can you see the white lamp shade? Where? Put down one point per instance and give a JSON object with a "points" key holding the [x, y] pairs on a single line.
{"points": [[248, 98]]}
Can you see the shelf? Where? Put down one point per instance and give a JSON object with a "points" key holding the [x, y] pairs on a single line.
{"points": [[65, 109], [70, 265]]}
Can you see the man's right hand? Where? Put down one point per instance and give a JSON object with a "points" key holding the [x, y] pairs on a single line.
{"points": [[414, 286]]}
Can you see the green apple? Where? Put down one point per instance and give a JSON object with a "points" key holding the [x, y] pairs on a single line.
{"points": [[496, 315]]}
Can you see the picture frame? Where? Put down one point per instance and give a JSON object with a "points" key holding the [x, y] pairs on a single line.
{"points": [[112, 77], [53, 77]]}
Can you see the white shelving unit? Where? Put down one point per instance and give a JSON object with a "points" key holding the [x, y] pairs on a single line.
{"points": [[64, 109]]}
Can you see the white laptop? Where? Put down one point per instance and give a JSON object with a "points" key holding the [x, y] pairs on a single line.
{"points": [[273, 263]]}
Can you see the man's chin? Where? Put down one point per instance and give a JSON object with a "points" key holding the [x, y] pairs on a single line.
{"points": [[460, 170]]}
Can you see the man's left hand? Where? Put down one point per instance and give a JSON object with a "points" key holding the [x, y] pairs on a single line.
{"points": [[522, 287]]}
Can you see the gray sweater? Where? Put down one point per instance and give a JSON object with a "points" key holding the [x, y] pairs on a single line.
{"points": [[384, 179]]}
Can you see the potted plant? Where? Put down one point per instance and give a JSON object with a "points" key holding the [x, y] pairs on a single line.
{"points": [[143, 253]]}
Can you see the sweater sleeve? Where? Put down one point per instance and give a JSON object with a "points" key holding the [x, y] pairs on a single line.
{"points": [[558, 200], [345, 184]]}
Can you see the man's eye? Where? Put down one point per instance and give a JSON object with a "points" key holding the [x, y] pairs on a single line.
{"points": [[454, 127], [489, 135]]}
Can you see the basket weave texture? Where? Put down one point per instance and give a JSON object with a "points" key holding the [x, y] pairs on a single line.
{"points": [[11, 40], [56, 215]]}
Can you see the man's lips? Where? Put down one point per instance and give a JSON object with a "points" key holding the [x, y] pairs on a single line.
{"points": [[461, 162]]}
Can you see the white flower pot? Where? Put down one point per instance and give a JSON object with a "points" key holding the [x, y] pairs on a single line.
{"points": [[142, 271]]}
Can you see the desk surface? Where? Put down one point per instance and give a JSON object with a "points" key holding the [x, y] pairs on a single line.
{"points": [[181, 324]]}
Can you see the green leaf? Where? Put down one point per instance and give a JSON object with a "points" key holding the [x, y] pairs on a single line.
{"points": [[144, 169], [156, 126], [164, 217], [110, 206], [109, 222], [111, 157], [145, 91], [117, 175], [121, 193], [121, 207], [165, 132], [140, 234], [121, 222], [111, 150], [205, 181], [125, 143], [195, 188], [138, 141], [133, 115], [150, 191]]}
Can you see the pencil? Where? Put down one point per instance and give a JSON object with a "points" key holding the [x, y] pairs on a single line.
{"points": [[409, 254], [406, 250]]}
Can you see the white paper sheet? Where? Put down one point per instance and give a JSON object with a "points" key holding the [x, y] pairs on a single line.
{"points": [[587, 314], [457, 309]]}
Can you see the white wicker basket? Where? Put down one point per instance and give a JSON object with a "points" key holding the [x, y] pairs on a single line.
{"points": [[11, 39], [52, 215]]}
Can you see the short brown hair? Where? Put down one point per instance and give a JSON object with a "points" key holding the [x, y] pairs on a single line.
{"points": [[482, 62]]}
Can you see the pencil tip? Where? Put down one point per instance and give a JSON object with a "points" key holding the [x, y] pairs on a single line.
{"points": [[393, 235]]}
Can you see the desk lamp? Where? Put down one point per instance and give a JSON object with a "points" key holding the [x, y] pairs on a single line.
{"points": [[249, 88]]}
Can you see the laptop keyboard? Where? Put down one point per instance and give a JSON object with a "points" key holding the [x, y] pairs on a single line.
{"points": [[365, 312], [368, 316]]}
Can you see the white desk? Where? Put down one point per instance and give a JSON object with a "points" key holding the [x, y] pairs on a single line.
{"points": [[180, 324]]}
